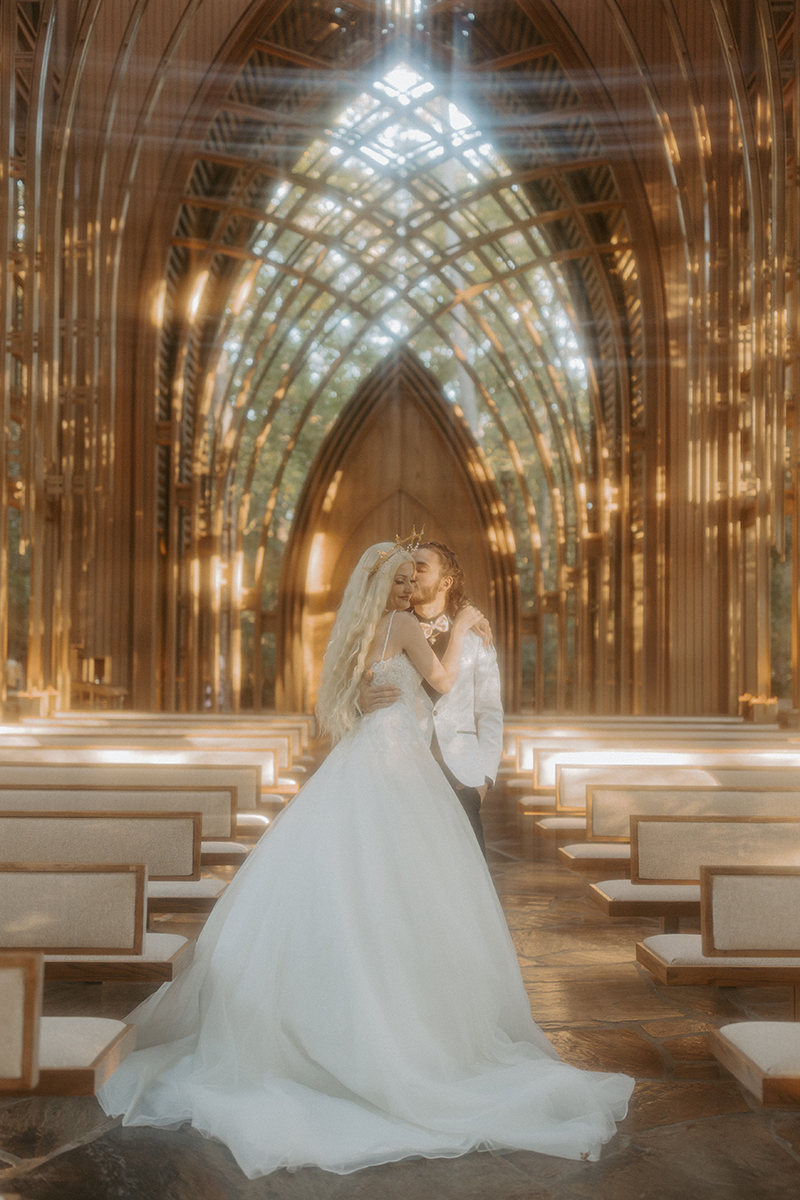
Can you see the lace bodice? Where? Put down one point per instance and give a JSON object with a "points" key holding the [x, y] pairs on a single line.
{"points": [[401, 673]]}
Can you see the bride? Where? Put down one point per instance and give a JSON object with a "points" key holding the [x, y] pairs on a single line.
{"points": [[355, 996]]}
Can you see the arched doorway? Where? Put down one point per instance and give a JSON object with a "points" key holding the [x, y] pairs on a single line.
{"points": [[399, 456]]}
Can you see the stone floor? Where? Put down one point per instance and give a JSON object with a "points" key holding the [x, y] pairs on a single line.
{"points": [[691, 1131]]}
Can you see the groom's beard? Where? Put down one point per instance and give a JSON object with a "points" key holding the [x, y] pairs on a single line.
{"points": [[424, 595]]}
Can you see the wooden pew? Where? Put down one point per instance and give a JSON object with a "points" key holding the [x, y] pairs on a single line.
{"points": [[611, 809], [590, 857], [535, 753], [167, 843], [764, 1056], [88, 922], [566, 819], [298, 729], [52, 1056], [522, 734], [258, 769], [667, 853], [303, 724], [574, 784], [750, 935], [217, 807], [687, 753], [47, 772], [574, 781], [160, 737]]}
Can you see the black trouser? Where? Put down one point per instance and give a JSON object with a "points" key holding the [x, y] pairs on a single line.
{"points": [[469, 797], [471, 803]]}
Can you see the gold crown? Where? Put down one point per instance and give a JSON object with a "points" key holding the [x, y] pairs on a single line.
{"points": [[409, 544]]}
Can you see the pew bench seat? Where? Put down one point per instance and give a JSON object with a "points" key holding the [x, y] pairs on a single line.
{"points": [[594, 856], [52, 1056], [164, 957], [252, 825], [539, 805], [78, 1054], [88, 922], [669, 855], [191, 895], [554, 827], [666, 902], [223, 854], [677, 959], [765, 1057]]}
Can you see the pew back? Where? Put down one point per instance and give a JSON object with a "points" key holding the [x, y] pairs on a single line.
{"points": [[48, 772], [73, 909], [671, 850], [168, 843], [611, 808], [21, 982], [259, 764], [573, 782], [521, 735], [750, 911], [216, 806], [684, 754], [277, 748], [300, 726]]}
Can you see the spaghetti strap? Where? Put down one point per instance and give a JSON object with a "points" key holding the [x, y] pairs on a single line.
{"points": [[386, 639]]}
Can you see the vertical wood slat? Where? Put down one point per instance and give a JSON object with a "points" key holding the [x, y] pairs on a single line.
{"points": [[8, 117]]}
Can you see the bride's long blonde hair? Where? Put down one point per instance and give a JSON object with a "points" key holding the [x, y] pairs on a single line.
{"points": [[345, 660]]}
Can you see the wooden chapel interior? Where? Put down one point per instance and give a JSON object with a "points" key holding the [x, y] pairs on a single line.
{"points": [[253, 322]]}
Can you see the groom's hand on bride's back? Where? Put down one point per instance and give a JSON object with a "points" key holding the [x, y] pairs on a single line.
{"points": [[373, 696]]}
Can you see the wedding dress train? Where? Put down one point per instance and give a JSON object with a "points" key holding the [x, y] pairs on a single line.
{"points": [[355, 996]]}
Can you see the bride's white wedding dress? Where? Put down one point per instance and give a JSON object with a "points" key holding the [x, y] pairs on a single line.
{"points": [[355, 996]]}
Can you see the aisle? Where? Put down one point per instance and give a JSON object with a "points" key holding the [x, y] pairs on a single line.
{"points": [[690, 1132]]}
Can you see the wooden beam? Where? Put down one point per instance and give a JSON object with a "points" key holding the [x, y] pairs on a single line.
{"points": [[294, 56], [512, 60], [266, 116]]}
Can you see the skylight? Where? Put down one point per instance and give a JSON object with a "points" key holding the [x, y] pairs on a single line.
{"points": [[402, 224]]}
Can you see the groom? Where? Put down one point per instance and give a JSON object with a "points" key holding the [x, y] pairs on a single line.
{"points": [[466, 723]]}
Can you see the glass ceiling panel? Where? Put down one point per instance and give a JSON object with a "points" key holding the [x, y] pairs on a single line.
{"points": [[402, 224]]}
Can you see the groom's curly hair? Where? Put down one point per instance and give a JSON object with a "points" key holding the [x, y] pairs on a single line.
{"points": [[457, 595]]}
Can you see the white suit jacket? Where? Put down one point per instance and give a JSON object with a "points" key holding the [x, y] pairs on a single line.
{"points": [[469, 718]]}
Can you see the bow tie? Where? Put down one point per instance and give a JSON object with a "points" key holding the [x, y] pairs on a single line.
{"points": [[433, 628]]}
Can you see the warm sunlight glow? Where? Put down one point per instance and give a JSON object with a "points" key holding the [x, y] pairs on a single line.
{"points": [[197, 295]]}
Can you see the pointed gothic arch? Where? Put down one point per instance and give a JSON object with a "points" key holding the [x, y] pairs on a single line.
{"points": [[398, 455]]}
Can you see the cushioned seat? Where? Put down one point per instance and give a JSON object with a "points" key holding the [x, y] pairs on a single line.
{"points": [[553, 826], [666, 901], [685, 949], [164, 956], [74, 1041], [594, 856], [678, 959], [218, 854], [622, 891], [209, 888], [764, 1056], [52, 1056], [607, 850], [195, 895], [773, 1045], [537, 804], [252, 825], [78, 1054]]}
